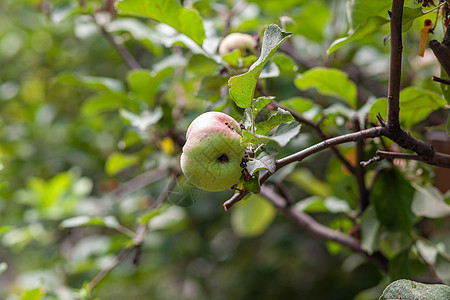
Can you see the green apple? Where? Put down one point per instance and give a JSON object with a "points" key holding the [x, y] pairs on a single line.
{"points": [[244, 42], [213, 152]]}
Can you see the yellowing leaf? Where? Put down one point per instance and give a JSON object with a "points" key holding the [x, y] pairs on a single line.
{"points": [[118, 161], [167, 145]]}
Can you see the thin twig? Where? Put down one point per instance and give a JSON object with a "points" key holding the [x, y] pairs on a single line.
{"points": [[138, 182], [126, 55], [138, 239], [346, 138], [441, 80], [363, 198], [371, 161], [439, 159], [284, 191], [234, 199], [299, 156], [307, 223], [166, 191], [316, 126], [433, 9], [100, 276]]}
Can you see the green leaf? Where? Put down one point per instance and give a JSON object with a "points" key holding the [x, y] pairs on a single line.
{"points": [[35, 294], [370, 227], [52, 192], [392, 196], [399, 266], [285, 132], [118, 161], [80, 221], [4, 229], [335, 205], [309, 183], [427, 250], [232, 58], [170, 217], [407, 289], [442, 267], [252, 185], [445, 89], [144, 120], [316, 204], [270, 70], [371, 25], [252, 216], [281, 116], [330, 82], [146, 217], [248, 120], [415, 105], [311, 20], [144, 84], [3, 267], [285, 63], [409, 15], [200, 65], [170, 12], [392, 243], [265, 159], [261, 102], [95, 83], [448, 125], [210, 86], [242, 86], [312, 204], [339, 109], [298, 104], [282, 136], [360, 10], [84, 220], [104, 102], [63, 10], [140, 32], [368, 20], [429, 202]]}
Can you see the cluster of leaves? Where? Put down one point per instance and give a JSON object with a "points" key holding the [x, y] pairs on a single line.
{"points": [[87, 145]]}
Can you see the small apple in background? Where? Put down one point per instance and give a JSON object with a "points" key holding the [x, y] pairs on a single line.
{"points": [[213, 152], [244, 42]]}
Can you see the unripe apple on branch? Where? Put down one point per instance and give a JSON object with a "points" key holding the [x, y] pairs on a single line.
{"points": [[245, 43], [213, 152]]}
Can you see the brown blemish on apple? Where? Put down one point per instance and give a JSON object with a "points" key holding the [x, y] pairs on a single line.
{"points": [[229, 126], [223, 158]]}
